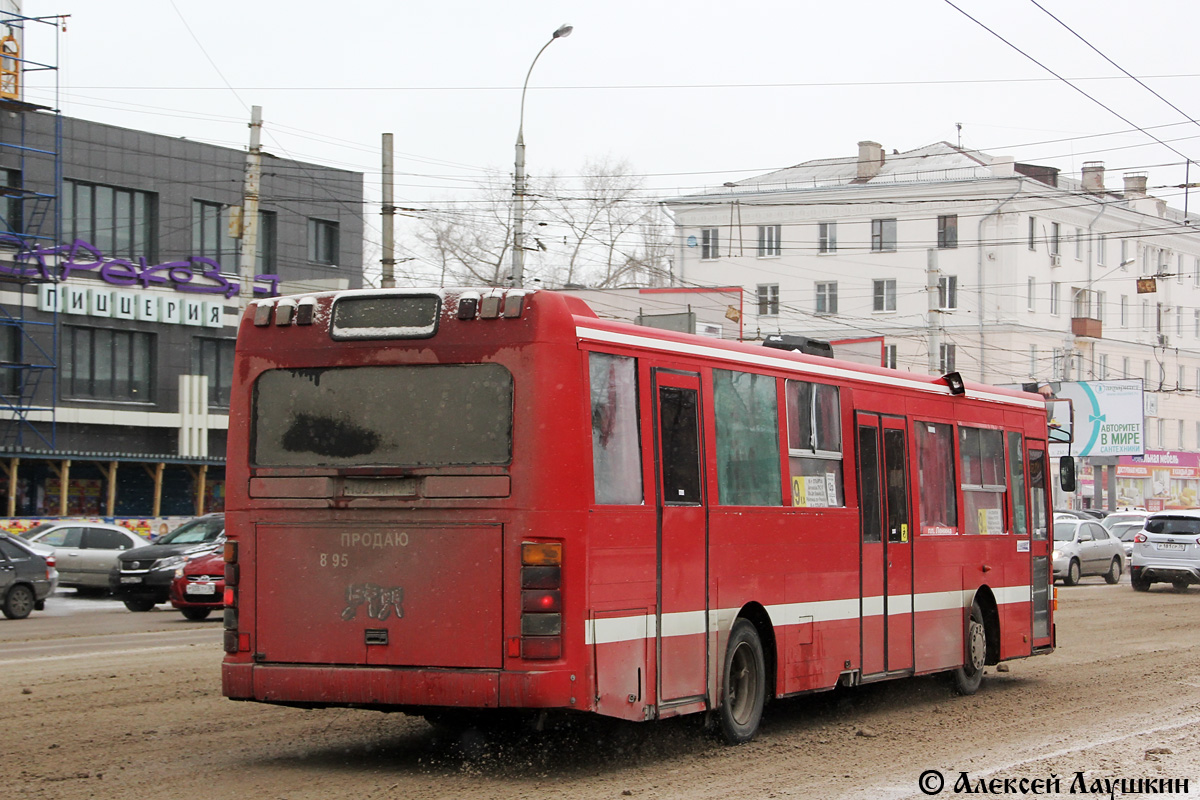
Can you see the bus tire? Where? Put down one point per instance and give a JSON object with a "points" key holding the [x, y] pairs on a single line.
{"points": [[744, 685], [969, 676]]}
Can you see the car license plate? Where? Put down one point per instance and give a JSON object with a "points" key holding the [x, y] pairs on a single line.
{"points": [[131, 579], [202, 588], [1171, 546]]}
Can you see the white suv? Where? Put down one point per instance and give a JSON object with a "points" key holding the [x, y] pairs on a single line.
{"points": [[1167, 550]]}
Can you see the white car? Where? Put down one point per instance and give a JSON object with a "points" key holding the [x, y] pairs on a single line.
{"points": [[1167, 550], [1083, 547], [84, 552], [1119, 517]]}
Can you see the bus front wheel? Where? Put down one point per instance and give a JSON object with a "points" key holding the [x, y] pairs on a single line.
{"points": [[744, 685], [969, 676]]}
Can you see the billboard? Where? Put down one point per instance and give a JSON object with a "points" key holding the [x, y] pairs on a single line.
{"points": [[1107, 420]]}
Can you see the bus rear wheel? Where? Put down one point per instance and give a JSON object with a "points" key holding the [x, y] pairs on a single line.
{"points": [[744, 686], [969, 676]]}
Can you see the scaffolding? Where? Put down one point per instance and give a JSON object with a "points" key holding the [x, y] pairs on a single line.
{"points": [[31, 145]]}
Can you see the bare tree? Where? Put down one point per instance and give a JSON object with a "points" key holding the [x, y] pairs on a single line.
{"points": [[597, 230]]}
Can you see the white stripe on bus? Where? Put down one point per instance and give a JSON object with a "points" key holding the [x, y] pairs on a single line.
{"points": [[608, 630], [769, 360]]}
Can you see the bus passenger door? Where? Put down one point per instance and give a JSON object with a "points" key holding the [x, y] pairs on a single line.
{"points": [[682, 539], [1042, 583], [887, 575]]}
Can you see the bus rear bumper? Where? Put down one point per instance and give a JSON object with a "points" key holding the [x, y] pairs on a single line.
{"points": [[382, 687]]}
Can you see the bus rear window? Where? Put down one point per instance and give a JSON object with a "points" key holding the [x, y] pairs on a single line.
{"points": [[418, 416]]}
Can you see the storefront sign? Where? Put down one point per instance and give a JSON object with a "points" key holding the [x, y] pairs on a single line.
{"points": [[195, 274], [142, 306]]}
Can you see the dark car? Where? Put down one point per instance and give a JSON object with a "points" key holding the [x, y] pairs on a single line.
{"points": [[199, 586], [142, 577], [25, 578]]}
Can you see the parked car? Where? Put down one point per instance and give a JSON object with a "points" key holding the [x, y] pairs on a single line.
{"points": [[1126, 531], [26, 578], [1128, 515], [1167, 550], [199, 586], [1083, 547], [142, 577], [85, 552]]}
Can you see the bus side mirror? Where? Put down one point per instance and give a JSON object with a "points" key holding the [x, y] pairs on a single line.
{"points": [[1066, 473]]}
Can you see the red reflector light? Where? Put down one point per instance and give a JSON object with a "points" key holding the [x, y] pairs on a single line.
{"points": [[230, 598], [514, 647], [541, 647], [541, 600], [1141, 537]]}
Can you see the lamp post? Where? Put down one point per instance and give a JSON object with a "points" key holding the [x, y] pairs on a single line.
{"points": [[518, 254]]}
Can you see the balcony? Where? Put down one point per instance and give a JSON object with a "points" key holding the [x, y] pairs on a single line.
{"points": [[1086, 327]]}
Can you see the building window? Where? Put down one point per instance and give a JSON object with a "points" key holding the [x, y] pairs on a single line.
{"points": [[889, 356], [947, 231], [946, 359], [885, 295], [1033, 233], [827, 237], [948, 292], [1125, 259], [1196, 281], [1145, 315], [1196, 323], [10, 373], [118, 222], [1054, 287], [1079, 244], [214, 358], [827, 297], [1031, 294], [210, 234], [1033, 361], [1101, 249], [1125, 311], [1100, 302], [768, 240], [1179, 268], [768, 299], [710, 244], [1125, 367], [323, 242], [1054, 239], [105, 364], [1103, 367], [1179, 320], [883, 235], [211, 239]]}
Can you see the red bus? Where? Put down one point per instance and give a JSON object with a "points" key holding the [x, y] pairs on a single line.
{"points": [[443, 500]]}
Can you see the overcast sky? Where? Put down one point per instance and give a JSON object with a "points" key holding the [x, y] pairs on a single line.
{"points": [[690, 94]]}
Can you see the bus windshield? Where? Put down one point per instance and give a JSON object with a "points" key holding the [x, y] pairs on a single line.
{"points": [[422, 416]]}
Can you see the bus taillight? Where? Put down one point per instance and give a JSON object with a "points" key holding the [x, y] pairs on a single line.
{"points": [[232, 639], [541, 600]]}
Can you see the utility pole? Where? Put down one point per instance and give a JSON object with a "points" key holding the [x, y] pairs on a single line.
{"points": [[931, 292], [248, 263], [388, 277]]}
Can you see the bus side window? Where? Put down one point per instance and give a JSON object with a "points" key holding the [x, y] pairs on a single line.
{"points": [[981, 455], [1037, 492], [814, 413], [747, 415], [1016, 476], [616, 440], [936, 480]]}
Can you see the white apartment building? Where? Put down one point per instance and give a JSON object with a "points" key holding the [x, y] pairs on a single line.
{"points": [[960, 260]]}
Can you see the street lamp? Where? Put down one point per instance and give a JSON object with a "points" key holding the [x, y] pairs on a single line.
{"points": [[518, 254]]}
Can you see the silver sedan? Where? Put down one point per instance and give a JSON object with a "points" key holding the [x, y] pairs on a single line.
{"points": [[1083, 547], [85, 552]]}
